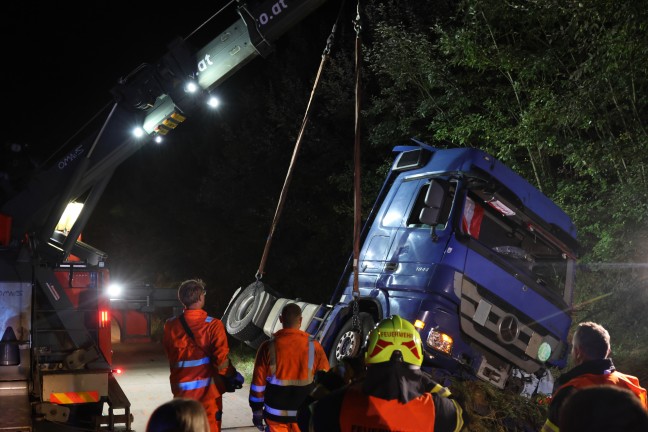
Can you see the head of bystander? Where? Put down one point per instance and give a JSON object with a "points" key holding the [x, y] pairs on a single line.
{"points": [[191, 293], [603, 408], [591, 341], [179, 415], [291, 316]]}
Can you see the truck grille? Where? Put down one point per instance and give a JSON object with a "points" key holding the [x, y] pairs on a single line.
{"points": [[508, 333]]}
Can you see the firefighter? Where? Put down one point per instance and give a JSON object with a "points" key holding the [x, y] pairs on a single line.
{"points": [[590, 353], [284, 369], [198, 353], [394, 395]]}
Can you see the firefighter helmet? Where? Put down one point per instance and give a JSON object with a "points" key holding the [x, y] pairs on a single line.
{"points": [[394, 334]]}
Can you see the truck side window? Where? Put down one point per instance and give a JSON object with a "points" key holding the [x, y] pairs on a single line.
{"points": [[396, 213], [414, 221]]}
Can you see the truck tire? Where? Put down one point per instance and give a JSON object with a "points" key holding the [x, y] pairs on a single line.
{"points": [[350, 343], [257, 341], [238, 321]]}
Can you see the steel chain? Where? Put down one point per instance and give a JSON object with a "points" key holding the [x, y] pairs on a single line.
{"points": [[355, 320]]}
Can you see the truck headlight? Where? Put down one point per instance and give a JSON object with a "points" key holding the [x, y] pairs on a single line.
{"points": [[440, 341]]}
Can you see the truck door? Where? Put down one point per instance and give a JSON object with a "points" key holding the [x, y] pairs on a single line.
{"points": [[411, 247], [378, 247]]}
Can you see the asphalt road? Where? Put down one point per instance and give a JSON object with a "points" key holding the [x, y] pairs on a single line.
{"points": [[145, 380]]}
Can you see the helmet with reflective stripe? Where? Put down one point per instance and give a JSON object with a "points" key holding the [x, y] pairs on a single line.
{"points": [[394, 334]]}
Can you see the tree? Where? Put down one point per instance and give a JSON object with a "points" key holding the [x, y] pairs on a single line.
{"points": [[554, 89]]}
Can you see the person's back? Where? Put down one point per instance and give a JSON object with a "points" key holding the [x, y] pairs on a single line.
{"points": [[394, 395], [198, 353], [283, 375], [178, 415], [603, 408]]}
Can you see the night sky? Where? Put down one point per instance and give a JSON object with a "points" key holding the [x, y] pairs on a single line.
{"points": [[60, 61]]}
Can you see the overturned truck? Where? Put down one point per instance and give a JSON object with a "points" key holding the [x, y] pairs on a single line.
{"points": [[457, 243]]}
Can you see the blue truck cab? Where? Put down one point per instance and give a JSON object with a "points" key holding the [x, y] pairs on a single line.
{"points": [[475, 256]]}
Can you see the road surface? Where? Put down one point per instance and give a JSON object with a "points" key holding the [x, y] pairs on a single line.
{"points": [[145, 380]]}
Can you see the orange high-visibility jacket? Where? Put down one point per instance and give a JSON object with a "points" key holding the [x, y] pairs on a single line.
{"points": [[369, 413], [193, 368], [608, 377], [615, 378], [284, 369], [432, 411]]}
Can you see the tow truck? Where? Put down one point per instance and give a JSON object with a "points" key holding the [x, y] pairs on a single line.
{"points": [[55, 352]]}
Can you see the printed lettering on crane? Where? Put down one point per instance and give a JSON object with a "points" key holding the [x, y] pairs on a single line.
{"points": [[70, 157], [278, 7], [205, 63]]}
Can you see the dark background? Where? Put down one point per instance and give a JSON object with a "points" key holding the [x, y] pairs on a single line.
{"points": [[201, 204]]}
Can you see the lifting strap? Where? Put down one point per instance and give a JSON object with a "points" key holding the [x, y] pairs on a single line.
{"points": [[284, 189], [357, 208]]}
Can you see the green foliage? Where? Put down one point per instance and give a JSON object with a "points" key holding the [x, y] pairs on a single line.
{"points": [[157, 328], [550, 88], [242, 356], [488, 409]]}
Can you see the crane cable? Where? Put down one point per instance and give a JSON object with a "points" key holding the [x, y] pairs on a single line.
{"points": [[284, 189], [357, 208]]}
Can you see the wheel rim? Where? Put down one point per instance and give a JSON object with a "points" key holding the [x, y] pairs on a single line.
{"points": [[348, 346], [245, 308]]}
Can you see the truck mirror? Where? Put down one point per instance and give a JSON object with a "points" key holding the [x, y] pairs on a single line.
{"points": [[434, 202]]}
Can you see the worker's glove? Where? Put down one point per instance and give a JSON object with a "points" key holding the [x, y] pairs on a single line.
{"points": [[239, 380], [257, 419], [234, 382]]}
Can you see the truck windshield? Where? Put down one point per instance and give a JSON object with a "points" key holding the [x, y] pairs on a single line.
{"points": [[496, 225], [500, 227]]}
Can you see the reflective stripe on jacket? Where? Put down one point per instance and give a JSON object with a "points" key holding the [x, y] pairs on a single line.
{"points": [[284, 369]]}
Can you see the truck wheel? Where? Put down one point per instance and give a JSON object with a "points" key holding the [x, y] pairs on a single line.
{"points": [[349, 343], [238, 321], [256, 342]]}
